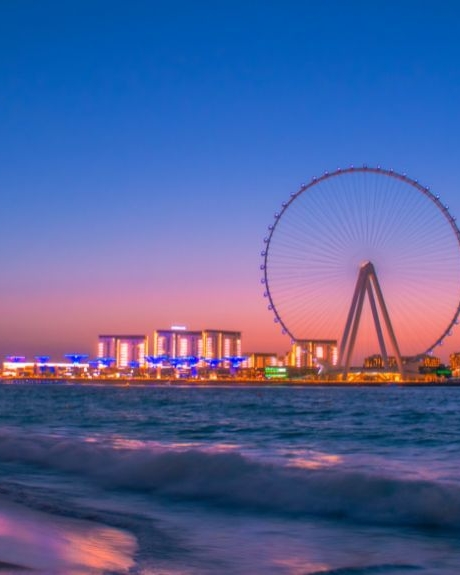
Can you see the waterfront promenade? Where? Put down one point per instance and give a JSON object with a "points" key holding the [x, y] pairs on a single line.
{"points": [[236, 382]]}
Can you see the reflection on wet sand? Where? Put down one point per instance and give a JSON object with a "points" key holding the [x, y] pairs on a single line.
{"points": [[32, 540]]}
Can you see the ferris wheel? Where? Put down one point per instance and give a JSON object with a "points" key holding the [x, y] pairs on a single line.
{"points": [[359, 244]]}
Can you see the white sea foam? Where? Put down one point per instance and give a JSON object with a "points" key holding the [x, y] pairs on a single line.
{"points": [[232, 480]]}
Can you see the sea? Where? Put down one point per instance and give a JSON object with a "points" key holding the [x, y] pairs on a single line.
{"points": [[238, 480]]}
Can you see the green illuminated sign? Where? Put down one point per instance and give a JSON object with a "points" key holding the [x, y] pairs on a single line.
{"points": [[447, 372], [276, 372]]}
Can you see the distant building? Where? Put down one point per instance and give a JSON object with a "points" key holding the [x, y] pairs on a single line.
{"points": [[124, 349], [218, 344], [177, 342], [307, 353], [455, 364], [261, 360], [430, 362], [424, 364], [206, 344], [46, 369], [376, 362]]}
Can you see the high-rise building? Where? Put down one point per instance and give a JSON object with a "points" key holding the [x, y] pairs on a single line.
{"points": [[124, 349], [176, 342], [218, 344], [208, 344]]}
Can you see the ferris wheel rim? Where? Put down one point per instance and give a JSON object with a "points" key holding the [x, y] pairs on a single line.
{"points": [[435, 198]]}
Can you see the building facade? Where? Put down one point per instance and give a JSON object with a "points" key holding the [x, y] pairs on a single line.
{"points": [[430, 362], [455, 364], [177, 342], [208, 344], [218, 344], [261, 360], [308, 353], [376, 362], [124, 349]]}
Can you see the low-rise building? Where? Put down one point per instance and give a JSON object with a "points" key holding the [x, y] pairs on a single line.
{"points": [[261, 360], [455, 364], [308, 353], [31, 369], [376, 362]]}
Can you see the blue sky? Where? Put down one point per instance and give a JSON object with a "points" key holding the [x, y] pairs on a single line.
{"points": [[144, 147]]}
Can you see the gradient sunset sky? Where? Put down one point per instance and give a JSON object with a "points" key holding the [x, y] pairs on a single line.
{"points": [[145, 146]]}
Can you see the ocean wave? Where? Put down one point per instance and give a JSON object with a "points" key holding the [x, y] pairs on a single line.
{"points": [[231, 480]]}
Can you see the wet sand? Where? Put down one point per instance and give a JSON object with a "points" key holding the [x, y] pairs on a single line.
{"points": [[37, 542]]}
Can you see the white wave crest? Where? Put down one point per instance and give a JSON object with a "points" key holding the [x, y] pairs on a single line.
{"points": [[231, 480]]}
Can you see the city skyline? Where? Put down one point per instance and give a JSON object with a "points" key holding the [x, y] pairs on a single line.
{"points": [[145, 151]]}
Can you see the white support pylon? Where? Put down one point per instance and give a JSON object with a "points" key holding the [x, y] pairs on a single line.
{"points": [[367, 282]]}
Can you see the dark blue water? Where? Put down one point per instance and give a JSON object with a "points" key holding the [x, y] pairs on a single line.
{"points": [[183, 480]]}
